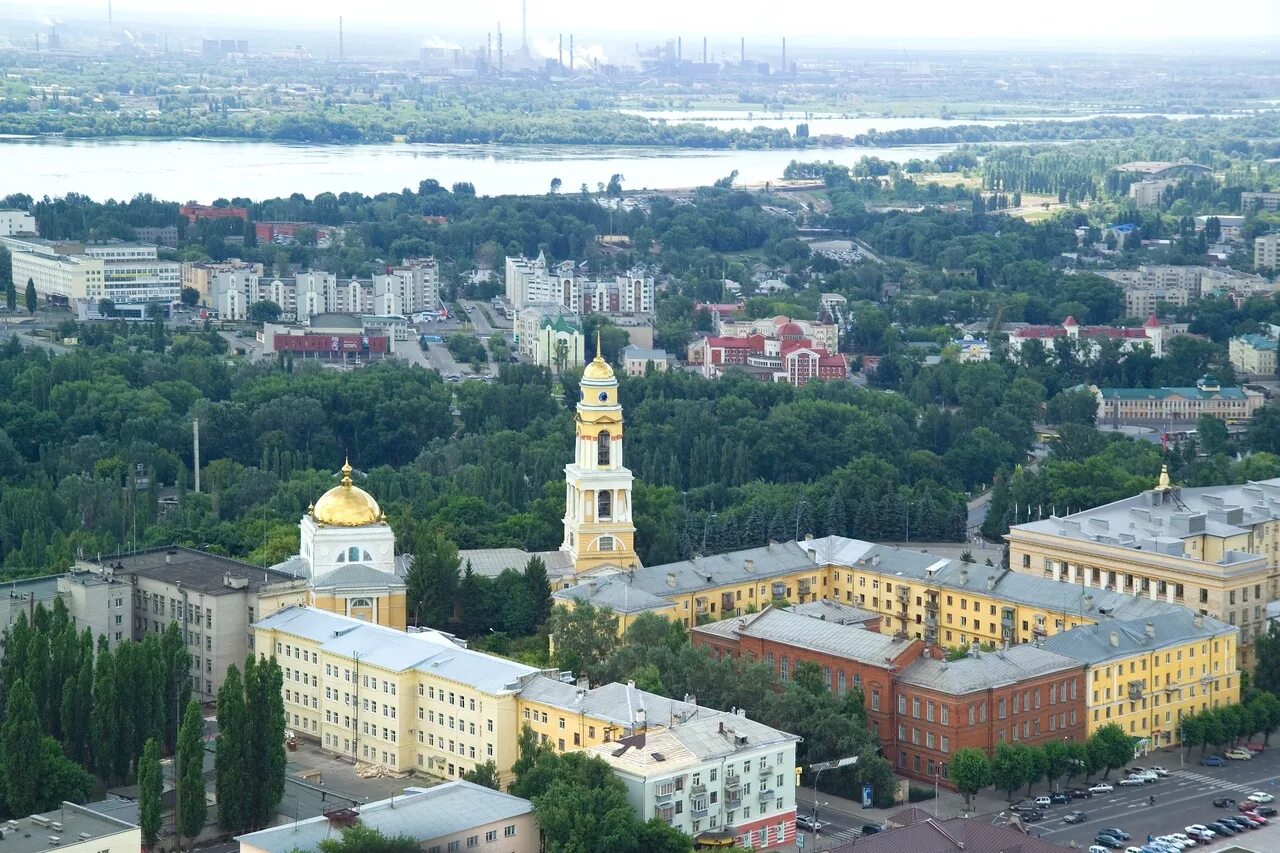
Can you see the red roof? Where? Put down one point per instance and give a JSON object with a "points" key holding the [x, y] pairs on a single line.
{"points": [[790, 330], [755, 343], [1070, 321], [1152, 322]]}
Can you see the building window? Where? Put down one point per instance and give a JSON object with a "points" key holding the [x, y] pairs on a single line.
{"points": [[602, 448]]}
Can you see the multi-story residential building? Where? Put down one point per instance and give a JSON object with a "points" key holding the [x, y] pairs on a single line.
{"points": [[77, 274], [14, 222], [450, 817], [24, 596], [1266, 251], [534, 282], [1268, 201], [1149, 285], [1166, 405], [411, 288], [214, 600], [1253, 355], [1020, 694], [713, 777], [1149, 193], [1150, 334], [1214, 550], [1145, 676]]}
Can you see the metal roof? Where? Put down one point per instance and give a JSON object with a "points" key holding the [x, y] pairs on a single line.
{"points": [[376, 645], [852, 642], [985, 670], [423, 815], [492, 562], [356, 575], [1106, 641]]}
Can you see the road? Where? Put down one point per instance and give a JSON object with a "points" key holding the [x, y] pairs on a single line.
{"points": [[248, 343], [1183, 798], [476, 311], [978, 512], [838, 826]]}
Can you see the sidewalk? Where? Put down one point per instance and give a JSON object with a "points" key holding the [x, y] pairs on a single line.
{"points": [[948, 805]]}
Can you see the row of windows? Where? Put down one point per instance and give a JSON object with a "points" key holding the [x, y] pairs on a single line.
{"points": [[490, 836]]}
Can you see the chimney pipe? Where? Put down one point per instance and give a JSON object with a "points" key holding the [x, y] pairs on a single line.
{"points": [[1150, 630], [560, 52], [1115, 639]]}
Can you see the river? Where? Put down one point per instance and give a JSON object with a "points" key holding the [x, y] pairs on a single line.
{"points": [[203, 170]]}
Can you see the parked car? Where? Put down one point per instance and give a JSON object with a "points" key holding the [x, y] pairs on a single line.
{"points": [[1117, 832], [1033, 816], [1074, 817], [1101, 788], [1222, 828], [1079, 793], [1199, 832], [1107, 840], [1255, 746], [1261, 797], [1241, 822], [871, 828], [1098, 848], [1213, 761], [1248, 806], [1043, 802], [809, 822], [1264, 811], [1022, 806], [1239, 754], [1130, 781], [1223, 803], [1186, 840], [1059, 799], [1159, 771], [1255, 819]]}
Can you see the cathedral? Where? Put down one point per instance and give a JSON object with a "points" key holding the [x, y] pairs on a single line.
{"points": [[347, 551]]}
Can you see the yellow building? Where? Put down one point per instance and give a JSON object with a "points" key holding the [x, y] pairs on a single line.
{"points": [[1214, 550], [1146, 676], [598, 530]]}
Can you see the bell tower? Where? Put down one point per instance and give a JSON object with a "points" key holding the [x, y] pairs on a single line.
{"points": [[598, 528]]}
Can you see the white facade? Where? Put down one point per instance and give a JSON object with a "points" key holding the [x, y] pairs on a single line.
{"points": [[16, 222], [409, 289], [326, 548], [532, 282], [1266, 252], [56, 273]]}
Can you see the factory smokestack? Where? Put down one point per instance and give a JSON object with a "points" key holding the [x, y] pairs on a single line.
{"points": [[560, 52], [195, 450], [784, 55], [341, 43], [679, 49], [524, 27], [570, 51], [488, 50], [499, 48], [742, 50], [704, 50]]}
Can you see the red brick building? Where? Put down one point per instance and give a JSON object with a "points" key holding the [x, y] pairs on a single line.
{"points": [[849, 655], [194, 212], [1022, 694]]}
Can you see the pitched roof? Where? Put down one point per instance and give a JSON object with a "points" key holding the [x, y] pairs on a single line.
{"points": [[834, 611], [1105, 641], [985, 670], [421, 814], [851, 642], [1191, 393], [356, 575]]}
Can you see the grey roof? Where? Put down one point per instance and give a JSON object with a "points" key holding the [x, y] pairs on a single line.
{"points": [[851, 642], [356, 575], [1156, 521], [396, 651], [985, 670], [1105, 641], [703, 573], [195, 570], [421, 814], [31, 837], [834, 611], [636, 352], [492, 562], [614, 592]]}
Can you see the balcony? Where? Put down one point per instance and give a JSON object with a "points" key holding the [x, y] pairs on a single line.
{"points": [[701, 606], [700, 788], [698, 810], [903, 593], [1135, 690], [765, 770], [766, 795], [732, 782], [727, 604]]}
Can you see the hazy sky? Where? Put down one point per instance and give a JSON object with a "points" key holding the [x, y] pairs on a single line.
{"points": [[932, 20]]}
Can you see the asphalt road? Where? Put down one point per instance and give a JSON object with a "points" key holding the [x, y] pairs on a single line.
{"points": [[838, 826], [1183, 798]]}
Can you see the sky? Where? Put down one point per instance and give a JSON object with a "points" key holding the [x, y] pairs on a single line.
{"points": [[951, 22]]}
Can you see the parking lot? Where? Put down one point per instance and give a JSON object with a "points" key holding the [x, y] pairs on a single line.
{"points": [[1182, 798]]}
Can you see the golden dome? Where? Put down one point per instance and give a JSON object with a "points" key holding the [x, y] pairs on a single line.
{"points": [[346, 505], [598, 368]]}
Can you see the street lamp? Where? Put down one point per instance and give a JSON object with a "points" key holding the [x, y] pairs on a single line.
{"points": [[817, 774]]}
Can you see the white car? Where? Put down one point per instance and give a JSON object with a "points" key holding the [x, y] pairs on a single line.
{"points": [[1101, 788], [1261, 797], [1043, 802], [1149, 775], [1160, 771], [1200, 832], [1174, 841], [1130, 781], [1187, 841]]}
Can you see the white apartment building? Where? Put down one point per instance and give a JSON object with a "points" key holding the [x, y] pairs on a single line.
{"points": [[1151, 284], [1268, 201], [1149, 193], [133, 272], [412, 288], [1266, 252], [532, 282], [709, 774], [16, 222]]}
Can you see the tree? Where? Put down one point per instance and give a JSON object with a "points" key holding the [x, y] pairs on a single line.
{"points": [[150, 790], [1266, 674], [6, 279], [20, 751], [1113, 748], [583, 637], [1265, 708], [1057, 761], [1009, 770], [556, 184], [1036, 763], [31, 296], [432, 580], [10, 295], [538, 589], [190, 297], [485, 774], [1077, 759], [107, 739], [234, 766], [177, 682], [359, 838], [61, 779], [264, 698], [970, 773], [263, 311], [190, 760]]}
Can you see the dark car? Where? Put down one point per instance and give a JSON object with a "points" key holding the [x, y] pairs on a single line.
{"points": [[1106, 839], [1223, 803], [871, 829], [1080, 793], [1022, 806], [1248, 806], [1213, 761], [1033, 815], [1222, 828], [1116, 831], [1240, 822], [1059, 799], [1074, 817], [1265, 811]]}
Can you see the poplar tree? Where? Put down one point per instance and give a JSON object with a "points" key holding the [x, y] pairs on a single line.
{"points": [[150, 790], [105, 716], [20, 745], [31, 296], [191, 793], [233, 761], [177, 682]]}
